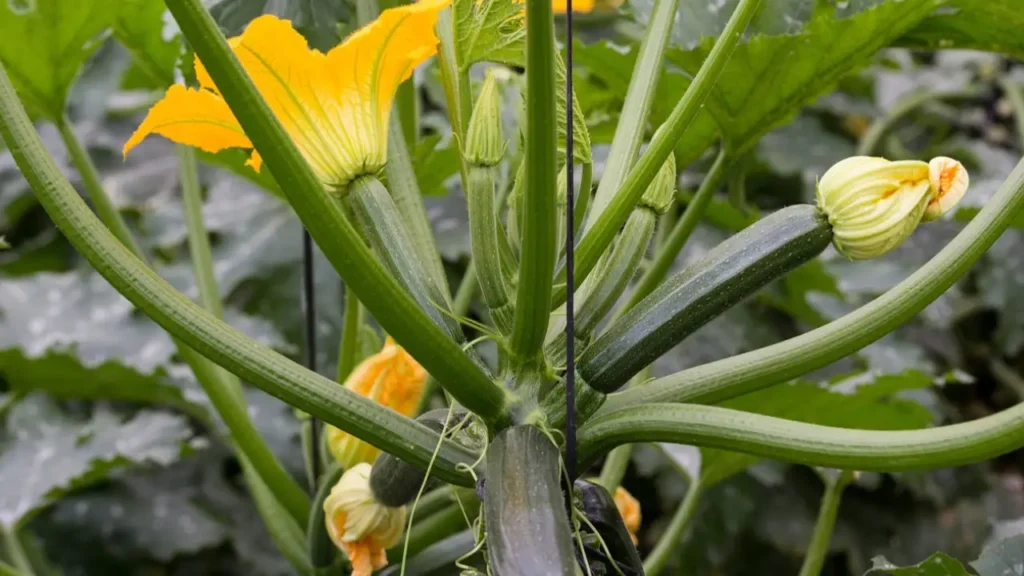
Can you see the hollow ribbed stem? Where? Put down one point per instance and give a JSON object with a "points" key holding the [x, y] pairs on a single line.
{"points": [[538, 244], [792, 358], [103, 204], [676, 531], [880, 127], [810, 444], [405, 191], [669, 251], [817, 551], [320, 213], [614, 468], [484, 234], [348, 349], [1015, 96], [203, 332], [223, 389], [604, 228], [198, 239], [643, 85]]}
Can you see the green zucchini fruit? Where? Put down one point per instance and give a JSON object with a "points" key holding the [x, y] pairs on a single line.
{"points": [[322, 551], [524, 510], [732, 271], [599, 507], [393, 481]]}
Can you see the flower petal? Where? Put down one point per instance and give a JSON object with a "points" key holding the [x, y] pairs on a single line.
{"points": [[193, 117]]}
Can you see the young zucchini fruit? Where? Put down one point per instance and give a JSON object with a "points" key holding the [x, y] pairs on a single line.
{"points": [[322, 551], [393, 481], [732, 271], [524, 509]]}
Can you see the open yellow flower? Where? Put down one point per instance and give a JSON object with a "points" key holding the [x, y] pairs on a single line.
{"points": [[392, 378], [335, 106], [362, 527]]}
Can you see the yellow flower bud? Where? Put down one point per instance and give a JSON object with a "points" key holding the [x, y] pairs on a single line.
{"points": [[359, 525], [874, 204], [392, 378], [629, 509]]}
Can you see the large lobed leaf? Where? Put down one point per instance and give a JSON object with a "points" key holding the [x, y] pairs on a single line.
{"points": [[43, 44], [1005, 558], [46, 454], [990, 25]]}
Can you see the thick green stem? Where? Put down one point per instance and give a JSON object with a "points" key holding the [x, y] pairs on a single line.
{"points": [[604, 228], [405, 191], [348, 349], [1015, 96], [614, 468], [817, 551], [538, 202], [669, 251], [675, 533], [382, 295], [792, 358], [810, 444], [880, 127], [484, 234], [223, 389], [203, 332], [643, 85], [198, 239], [103, 204], [16, 553]]}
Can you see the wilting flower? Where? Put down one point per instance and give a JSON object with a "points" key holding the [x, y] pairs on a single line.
{"points": [[362, 527], [390, 377], [629, 509], [874, 204], [335, 106]]}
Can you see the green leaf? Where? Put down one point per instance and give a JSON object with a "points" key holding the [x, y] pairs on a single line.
{"points": [[138, 25], [770, 77], [322, 22], [435, 164], [856, 402], [43, 44], [989, 25], [937, 564], [149, 515], [696, 21], [45, 454], [491, 30], [1005, 558]]}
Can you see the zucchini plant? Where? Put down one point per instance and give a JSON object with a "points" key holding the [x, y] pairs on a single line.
{"points": [[503, 479]]}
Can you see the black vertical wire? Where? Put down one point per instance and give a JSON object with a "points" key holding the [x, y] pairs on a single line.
{"points": [[309, 291], [570, 328]]}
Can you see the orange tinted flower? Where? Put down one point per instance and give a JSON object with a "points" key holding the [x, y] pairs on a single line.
{"points": [[629, 509], [392, 378], [335, 106], [359, 525]]}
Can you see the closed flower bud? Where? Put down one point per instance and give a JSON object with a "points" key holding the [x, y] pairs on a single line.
{"points": [[484, 142], [359, 525], [629, 509], [391, 378], [662, 191], [874, 204]]}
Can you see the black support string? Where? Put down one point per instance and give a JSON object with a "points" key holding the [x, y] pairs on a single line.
{"points": [[309, 293], [570, 328]]}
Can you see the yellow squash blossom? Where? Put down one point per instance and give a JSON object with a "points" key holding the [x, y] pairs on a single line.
{"points": [[629, 509], [874, 204], [392, 378], [335, 106], [362, 527]]}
